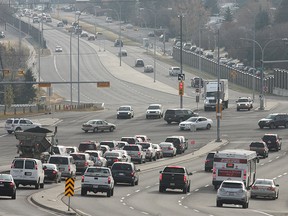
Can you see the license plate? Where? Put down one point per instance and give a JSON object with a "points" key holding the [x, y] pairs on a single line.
{"points": [[62, 169], [95, 186], [109, 159], [28, 173], [1, 185], [231, 193], [121, 174], [172, 184]]}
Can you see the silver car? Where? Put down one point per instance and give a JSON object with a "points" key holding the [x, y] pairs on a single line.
{"points": [[232, 192], [265, 188], [168, 149]]}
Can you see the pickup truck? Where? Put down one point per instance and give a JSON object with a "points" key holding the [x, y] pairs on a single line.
{"points": [[97, 179], [174, 177]]}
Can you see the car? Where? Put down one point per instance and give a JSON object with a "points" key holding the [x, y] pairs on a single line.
{"points": [[232, 192], [265, 188], [187, 46], [273, 141], [178, 115], [125, 111], [144, 138], [125, 172], [2, 34], [139, 63], [65, 163], [159, 152], [7, 185], [122, 53], [108, 20], [168, 149], [174, 71], [112, 144], [209, 161], [129, 26], [131, 140], [48, 19], [151, 34], [154, 111], [121, 144], [91, 37], [118, 43], [148, 69], [78, 13], [149, 150], [97, 125], [51, 173], [274, 120], [65, 21], [260, 147], [82, 161], [104, 148], [84, 34], [127, 157], [113, 157], [244, 103], [89, 145], [194, 123], [58, 48], [59, 150], [27, 171], [97, 157], [136, 153], [179, 143], [19, 124], [71, 149], [197, 82]]}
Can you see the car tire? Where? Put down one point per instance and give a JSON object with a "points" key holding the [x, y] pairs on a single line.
{"points": [[37, 185], [112, 192], [140, 161], [83, 192], [133, 183], [109, 193], [17, 185], [261, 127], [9, 132], [111, 129], [162, 189], [42, 185], [208, 126], [86, 131], [155, 158], [286, 125], [245, 205], [219, 204], [184, 190], [95, 130], [272, 126], [150, 159], [137, 182], [253, 197], [13, 195], [168, 122], [188, 189]]}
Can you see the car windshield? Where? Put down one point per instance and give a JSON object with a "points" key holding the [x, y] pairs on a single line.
{"points": [[269, 138], [110, 144], [259, 145], [124, 108], [270, 116], [165, 145], [145, 145], [78, 156], [111, 154], [243, 100], [153, 107], [5, 177], [231, 185], [120, 166], [192, 119], [131, 148], [263, 182], [176, 69], [58, 160]]}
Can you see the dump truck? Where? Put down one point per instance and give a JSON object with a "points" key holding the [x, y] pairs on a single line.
{"points": [[36, 143]]}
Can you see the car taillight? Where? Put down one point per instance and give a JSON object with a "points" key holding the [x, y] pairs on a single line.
{"points": [[69, 168], [11, 184], [214, 172], [36, 167], [170, 148], [206, 161], [185, 178], [86, 163], [12, 165], [244, 175], [271, 188], [139, 153], [160, 177], [115, 160], [82, 179], [109, 180], [54, 172], [132, 174]]}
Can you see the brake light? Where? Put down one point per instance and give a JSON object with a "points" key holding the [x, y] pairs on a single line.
{"points": [[69, 168], [11, 185], [244, 175], [36, 167], [54, 172], [185, 178], [132, 173], [82, 178], [12, 165], [115, 160], [109, 180], [206, 161], [271, 188], [160, 177], [214, 172], [139, 153], [86, 163]]}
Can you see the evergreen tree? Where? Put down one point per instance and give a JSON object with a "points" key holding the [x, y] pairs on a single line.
{"points": [[212, 6], [281, 13], [228, 15], [262, 20]]}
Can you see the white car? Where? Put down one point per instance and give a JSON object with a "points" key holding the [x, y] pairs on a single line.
{"points": [[194, 123], [125, 111], [168, 149], [58, 49], [154, 111], [127, 158], [174, 71]]}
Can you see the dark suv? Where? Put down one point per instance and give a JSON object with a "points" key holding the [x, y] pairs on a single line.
{"points": [[124, 172], [178, 115], [209, 161], [179, 143], [273, 141], [274, 120]]}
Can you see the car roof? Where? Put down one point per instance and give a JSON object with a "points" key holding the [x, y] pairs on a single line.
{"points": [[155, 105]]}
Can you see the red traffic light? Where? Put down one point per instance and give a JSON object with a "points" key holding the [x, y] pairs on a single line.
{"points": [[181, 88]]}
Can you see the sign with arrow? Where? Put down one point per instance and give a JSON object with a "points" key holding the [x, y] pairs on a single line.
{"points": [[69, 187]]}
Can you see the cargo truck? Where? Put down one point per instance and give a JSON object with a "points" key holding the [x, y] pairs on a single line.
{"points": [[210, 94]]}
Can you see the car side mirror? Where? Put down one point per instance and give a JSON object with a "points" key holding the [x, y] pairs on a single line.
{"points": [[160, 172], [257, 160], [277, 185], [190, 173], [138, 170]]}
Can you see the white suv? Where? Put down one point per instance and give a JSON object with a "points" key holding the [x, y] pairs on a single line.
{"points": [[233, 192], [16, 124], [154, 111], [174, 71], [244, 103]]}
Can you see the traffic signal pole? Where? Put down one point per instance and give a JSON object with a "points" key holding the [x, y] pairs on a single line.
{"points": [[181, 63]]}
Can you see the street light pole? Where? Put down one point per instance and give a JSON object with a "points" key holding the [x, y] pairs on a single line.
{"points": [[218, 89], [155, 46], [181, 47]]}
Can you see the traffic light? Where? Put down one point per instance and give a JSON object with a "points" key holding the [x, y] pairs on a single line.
{"points": [[181, 88]]}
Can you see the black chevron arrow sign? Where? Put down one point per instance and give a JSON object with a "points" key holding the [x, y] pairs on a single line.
{"points": [[69, 187]]}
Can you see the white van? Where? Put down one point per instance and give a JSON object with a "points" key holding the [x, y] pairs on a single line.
{"points": [[27, 171], [59, 150], [65, 163]]}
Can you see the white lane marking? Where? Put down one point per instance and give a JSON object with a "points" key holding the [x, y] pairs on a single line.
{"points": [[124, 203], [270, 161], [284, 173], [196, 210], [82, 213], [131, 207], [262, 213], [274, 178], [146, 213], [197, 189], [123, 198], [188, 194], [206, 185], [147, 186], [262, 164], [277, 157], [128, 195], [137, 191], [3, 135], [186, 207], [180, 204], [182, 198], [279, 176]]}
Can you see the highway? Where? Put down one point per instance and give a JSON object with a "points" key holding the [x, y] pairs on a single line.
{"points": [[239, 128]]}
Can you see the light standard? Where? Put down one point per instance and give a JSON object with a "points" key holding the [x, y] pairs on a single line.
{"points": [[181, 47], [120, 36], [154, 46], [261, 96]]}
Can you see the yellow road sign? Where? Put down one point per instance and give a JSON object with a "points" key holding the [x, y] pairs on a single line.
{"points": [[69, 187], [103, 84]]}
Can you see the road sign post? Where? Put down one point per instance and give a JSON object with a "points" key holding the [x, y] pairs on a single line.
{"points": [[69, 189]]}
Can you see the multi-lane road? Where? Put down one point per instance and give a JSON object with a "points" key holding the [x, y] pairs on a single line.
{"points": [[239, 128]]}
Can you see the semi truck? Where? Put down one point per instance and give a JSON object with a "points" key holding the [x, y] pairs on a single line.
{"points": [[36, 143], [210, 94]]}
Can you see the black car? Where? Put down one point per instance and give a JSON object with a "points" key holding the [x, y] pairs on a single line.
{"points": [[209, 161], [125, 172], [118, 43], [273, 141], [179, 143], [2, 34], [51, 173], [7, 186], [197, 82], [274, 120], [178, 115]]}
